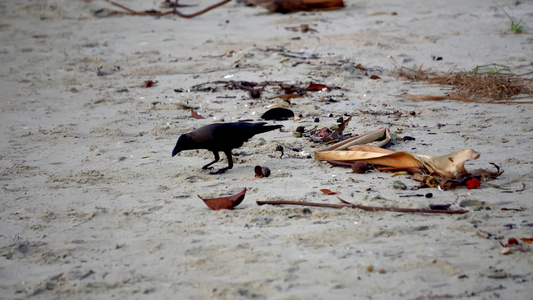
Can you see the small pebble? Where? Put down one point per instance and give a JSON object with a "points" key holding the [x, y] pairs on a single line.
{"points": [[429, 195], [399, 185], [317, 120]]}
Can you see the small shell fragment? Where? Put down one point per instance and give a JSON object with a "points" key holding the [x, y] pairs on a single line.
{"points": [[506, 250]]}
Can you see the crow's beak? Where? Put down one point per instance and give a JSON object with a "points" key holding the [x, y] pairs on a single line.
{"points": [[175, 151]]}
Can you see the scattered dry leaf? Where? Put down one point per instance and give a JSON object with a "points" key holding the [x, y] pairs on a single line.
{"points": [[316, 87], [225, 202], [195, 115], [328, 192]]}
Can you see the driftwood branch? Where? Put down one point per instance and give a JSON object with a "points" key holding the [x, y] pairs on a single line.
{"points": [[173, 11], [363, 207]]}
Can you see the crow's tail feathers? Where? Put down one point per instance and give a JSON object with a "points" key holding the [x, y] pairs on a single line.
{"points": [[265, 128]]}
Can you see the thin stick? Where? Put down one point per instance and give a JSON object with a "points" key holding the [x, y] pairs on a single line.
{"points": [[367, 208]]}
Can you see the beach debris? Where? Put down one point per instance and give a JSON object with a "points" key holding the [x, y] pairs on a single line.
{"points": [[288, 6], [506, 250], [256, 89], [195, 115], [287, 97], [407, 138], [440, 206], [483, 234], [360, 167], [379, 138], [473, 183], [397, 184], [280, 149], [512, 209], [261, 172], [460, 99], [346, 204], [398, 173], [301, 28], [317, 87], [153, 12], [278, 114], [328, 192], [225, 202], [148, 84], [445, 171], [327, 135], [512, 243], [495, 84]]}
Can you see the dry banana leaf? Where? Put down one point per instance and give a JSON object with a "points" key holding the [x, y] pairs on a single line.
{"points": [[286, 6], [381, 137], [449, 165]]}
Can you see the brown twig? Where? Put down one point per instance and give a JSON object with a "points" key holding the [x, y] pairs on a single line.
{"points": [[363, 207], [340, 163], [174, 11]]}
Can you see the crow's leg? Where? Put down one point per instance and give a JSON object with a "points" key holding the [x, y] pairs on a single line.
{"points": [[230, 164], [217, 158]]}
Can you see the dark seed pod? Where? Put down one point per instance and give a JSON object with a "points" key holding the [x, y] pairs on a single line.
{"points": [[266, 172], [360, 167], [261, 171]]}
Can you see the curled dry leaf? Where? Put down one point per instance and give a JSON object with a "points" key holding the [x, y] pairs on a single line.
{"points": [[225, 202]]}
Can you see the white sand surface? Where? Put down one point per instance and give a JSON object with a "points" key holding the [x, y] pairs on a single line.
{"points": [[94, 207]]}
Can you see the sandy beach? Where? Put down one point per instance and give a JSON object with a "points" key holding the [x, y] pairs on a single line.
{"points": [[93, 206]]}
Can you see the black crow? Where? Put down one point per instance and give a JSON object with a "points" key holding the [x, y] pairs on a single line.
{"points": [[221, 137]]}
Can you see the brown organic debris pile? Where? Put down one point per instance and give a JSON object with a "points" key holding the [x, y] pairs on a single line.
{"points": [[485, 84], [493, 86]]}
